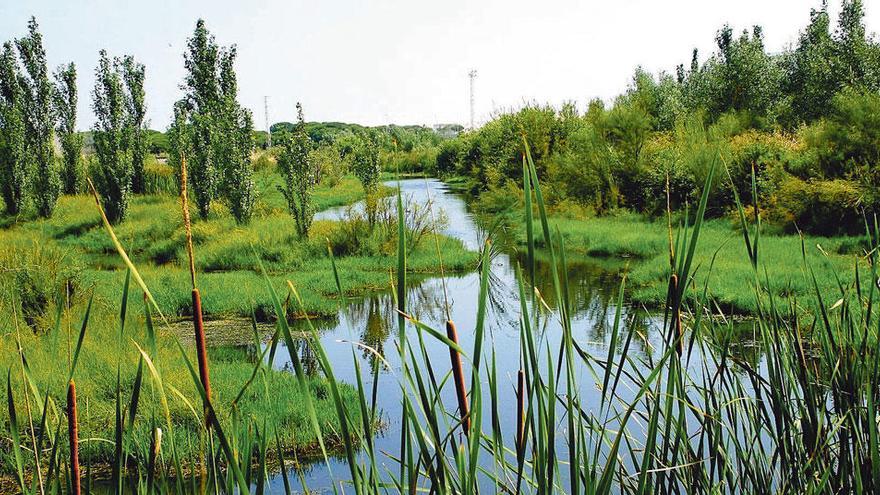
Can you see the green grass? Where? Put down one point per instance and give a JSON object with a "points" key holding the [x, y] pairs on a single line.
{"points": [[731, 282], [96, 382], [226, 253], [72, 250], [688, 416]]}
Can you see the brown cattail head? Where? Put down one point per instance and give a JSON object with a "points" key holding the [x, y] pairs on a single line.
{"points": [[520, 411], [201, 347], [73, 435], [676, 315], [458, 376]]}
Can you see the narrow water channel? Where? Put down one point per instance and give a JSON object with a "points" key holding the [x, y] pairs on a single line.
{"points": [[372, 322]]}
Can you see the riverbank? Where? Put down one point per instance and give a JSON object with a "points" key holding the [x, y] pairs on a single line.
{"points": [[68, 258], [721, 260]]}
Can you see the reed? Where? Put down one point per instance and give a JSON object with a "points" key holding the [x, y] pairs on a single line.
{"points": [[680, 414], [73, 439], [198, 322], [458, 376]]}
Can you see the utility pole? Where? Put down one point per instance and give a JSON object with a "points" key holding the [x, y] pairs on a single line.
{"points": [[472, 75], [268, 129]]}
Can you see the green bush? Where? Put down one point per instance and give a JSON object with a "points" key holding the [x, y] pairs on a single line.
{"points": [[824, 207]]}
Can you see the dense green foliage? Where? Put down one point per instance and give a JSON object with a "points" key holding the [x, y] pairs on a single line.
{"points": [[14, 173], [71, 141], [133, 76], [364, 155], [114, 137], [39, 121], [220, 129], [294, 163], [804, 120]]}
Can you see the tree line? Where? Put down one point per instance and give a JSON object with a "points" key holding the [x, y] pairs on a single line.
{"points": [[42, 154], [804, 120], [210, 128]]}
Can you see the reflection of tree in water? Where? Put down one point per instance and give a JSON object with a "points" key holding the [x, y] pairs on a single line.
{"points": [[376, 316], [301, 345], [593, 291]]}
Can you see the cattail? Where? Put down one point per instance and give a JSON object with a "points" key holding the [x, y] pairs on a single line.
{"points": [[73, 433], [458, 375], [201, 349], [676, 315], [198, 323], [520, 411]]}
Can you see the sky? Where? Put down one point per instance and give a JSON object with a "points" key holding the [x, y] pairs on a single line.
{"points": [[400, 61]]}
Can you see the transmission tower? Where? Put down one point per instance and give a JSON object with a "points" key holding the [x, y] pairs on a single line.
{"points": [[472, 75], [266, 112]]}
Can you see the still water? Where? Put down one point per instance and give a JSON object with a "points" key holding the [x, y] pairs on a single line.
{"points": [[371, 321]]}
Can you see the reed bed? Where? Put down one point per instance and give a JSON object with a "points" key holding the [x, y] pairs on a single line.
{"points": [[688, 417]]}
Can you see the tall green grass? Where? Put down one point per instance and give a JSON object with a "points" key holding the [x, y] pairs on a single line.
{"points": [[687, 418]]}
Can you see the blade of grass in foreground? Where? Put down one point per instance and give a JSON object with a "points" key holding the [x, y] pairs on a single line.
{"points": [[14, 433], [297, 364]]}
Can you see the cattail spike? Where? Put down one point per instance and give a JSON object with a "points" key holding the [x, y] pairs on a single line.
{"points": [[201, 346], [458, 375], [73, 434]]}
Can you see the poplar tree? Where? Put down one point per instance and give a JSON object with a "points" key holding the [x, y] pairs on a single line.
{"points": [[65, 100], [299, 178], [14, 176], [113, 136], [133, 75], [365, 165], [39, 124], [200, 61], [179, 139], [234, 142], [220, 129]]}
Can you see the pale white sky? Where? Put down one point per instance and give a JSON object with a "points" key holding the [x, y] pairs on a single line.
{"points": [[401, 61]]}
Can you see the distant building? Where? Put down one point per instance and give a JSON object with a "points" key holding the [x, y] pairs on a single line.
{"points": [[448, 130]]}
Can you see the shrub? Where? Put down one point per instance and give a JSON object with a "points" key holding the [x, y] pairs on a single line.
{"points": [[824, 207], [847, 144], [329, 166]]}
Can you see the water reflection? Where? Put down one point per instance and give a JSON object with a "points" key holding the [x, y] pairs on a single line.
{"points": [[594, 287]]}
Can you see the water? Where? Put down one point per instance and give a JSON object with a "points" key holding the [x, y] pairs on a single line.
{"points": [[371, 321]]}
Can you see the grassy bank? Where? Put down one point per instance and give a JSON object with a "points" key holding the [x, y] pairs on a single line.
{"points": [[71, 254], [48, 352], [73, 244], [731, 281]]}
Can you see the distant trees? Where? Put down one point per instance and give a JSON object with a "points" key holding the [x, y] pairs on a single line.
{"points": [[65, 100], [179, 139], [218, 127], [133, 76], [38, 119], [806, 121], [114, 136], [365, 166], [299, 176], [14, 173], [811, 79]]}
